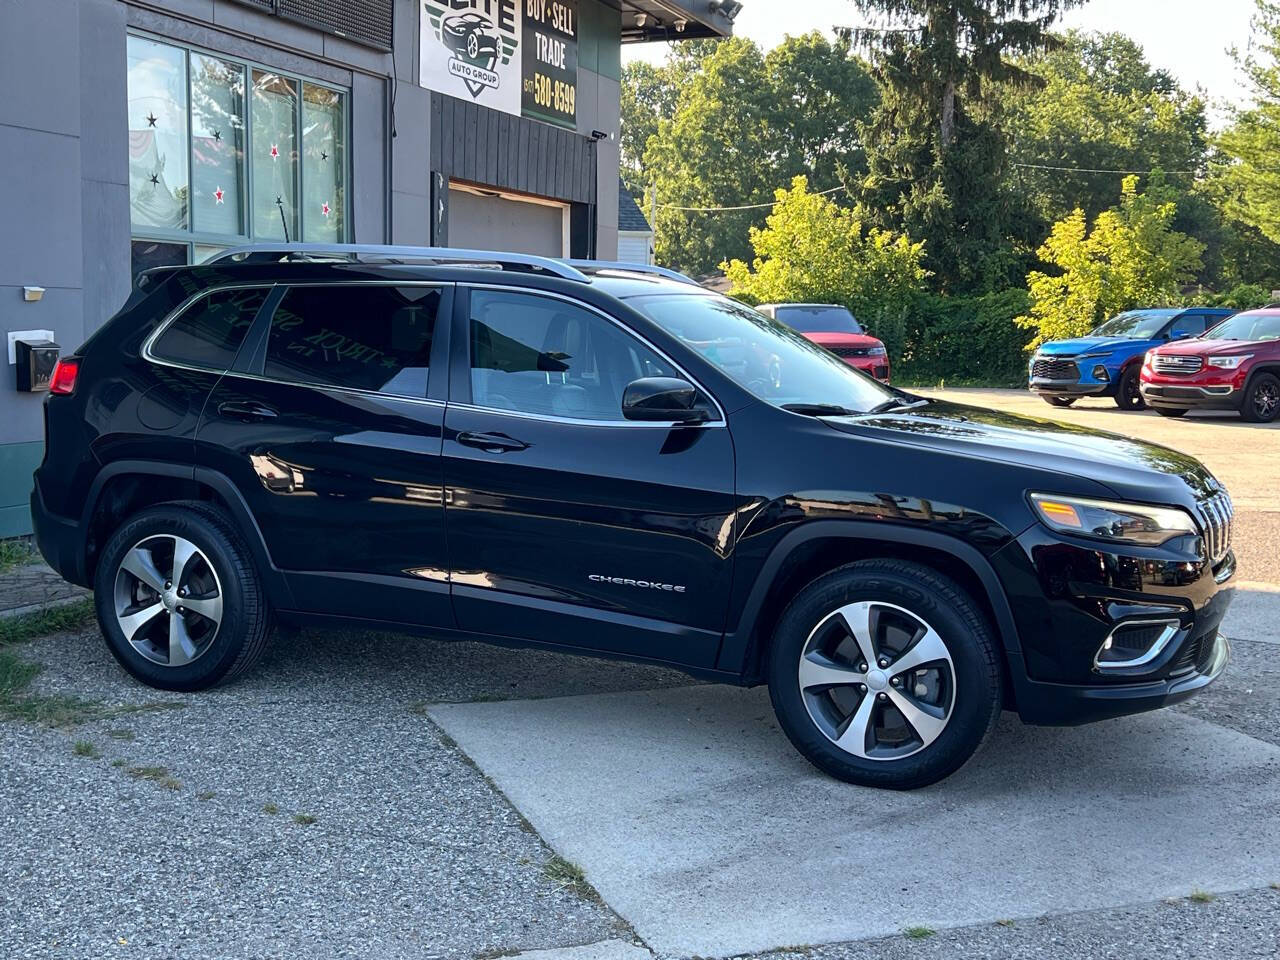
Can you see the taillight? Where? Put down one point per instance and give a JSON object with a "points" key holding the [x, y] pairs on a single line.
{"points": [[63, 381]]}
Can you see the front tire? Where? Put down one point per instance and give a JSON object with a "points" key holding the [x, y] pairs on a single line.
{"points": [[1127, 395], [886, 674], [1060, 401], [1262, 399], [1170, 411], [178, 598]]}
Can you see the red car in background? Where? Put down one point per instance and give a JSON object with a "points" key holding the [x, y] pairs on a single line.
{"points": [[1234, 366], [834, 327]]}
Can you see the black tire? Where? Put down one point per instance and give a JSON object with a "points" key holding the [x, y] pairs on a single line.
{"points": [[1171, 411], [239, 637], [1060, 401], [1262, 399], [1127, 395], [942, 605]]}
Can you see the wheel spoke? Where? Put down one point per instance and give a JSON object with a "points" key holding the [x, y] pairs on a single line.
{"points": [[857, 617], [925, 650], [857, 731], [181, 648], [208, 607], [131, 623], [141, 565], [818, 671], [183, 551], [923, 720]]}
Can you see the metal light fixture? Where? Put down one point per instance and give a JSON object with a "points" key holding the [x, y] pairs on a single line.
{"points": [[729, 9]]}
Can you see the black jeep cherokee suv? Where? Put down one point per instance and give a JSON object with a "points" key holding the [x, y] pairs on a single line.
{"points": [[609, 459]]}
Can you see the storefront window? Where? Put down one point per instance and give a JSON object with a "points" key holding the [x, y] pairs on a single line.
{"points": [[323, 162], [217, 145], [157, 135], [222, 152]]}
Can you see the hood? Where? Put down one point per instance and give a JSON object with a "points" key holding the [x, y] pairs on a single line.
{"points": [[1196, 347], [1130, 469], [1081, 345], [843, 340]]}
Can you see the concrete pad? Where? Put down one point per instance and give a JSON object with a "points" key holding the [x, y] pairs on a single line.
{"points": [[1254, 613], [697, 822], [604, 950]]}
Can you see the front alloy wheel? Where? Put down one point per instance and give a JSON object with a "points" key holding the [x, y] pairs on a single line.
{"points": [[1262, 401], [885, 673]]}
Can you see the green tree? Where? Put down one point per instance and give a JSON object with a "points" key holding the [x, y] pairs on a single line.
{"points": [[937, 156], [811, 250], [1248, 174], [743, 125], [1131, 258]]}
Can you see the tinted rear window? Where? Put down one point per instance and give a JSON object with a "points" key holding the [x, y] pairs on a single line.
{"points": [[365, 337], [210, 331]]}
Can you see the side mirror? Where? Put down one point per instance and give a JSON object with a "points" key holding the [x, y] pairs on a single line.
{"points": [[1179, 334], [662, 399]]}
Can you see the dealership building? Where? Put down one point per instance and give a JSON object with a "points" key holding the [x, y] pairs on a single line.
{"points": [[139, 134]]}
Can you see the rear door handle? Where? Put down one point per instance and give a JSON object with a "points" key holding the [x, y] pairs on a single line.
{"points": [[246, 410], [492, 442]]}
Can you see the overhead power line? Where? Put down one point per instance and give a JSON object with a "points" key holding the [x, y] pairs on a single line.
{"points": [[745, 206], [1045, 166]]}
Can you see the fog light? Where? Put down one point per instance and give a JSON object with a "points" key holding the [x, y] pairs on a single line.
{"points": [[1135, 644], [1100, 373]]}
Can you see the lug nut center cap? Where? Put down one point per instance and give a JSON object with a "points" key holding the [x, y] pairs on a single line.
{"points": [[877, 680]]}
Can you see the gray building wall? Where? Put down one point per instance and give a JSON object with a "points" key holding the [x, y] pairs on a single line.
{"points": [[64, 155]]}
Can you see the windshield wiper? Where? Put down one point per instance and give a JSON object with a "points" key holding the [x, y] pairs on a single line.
{"points": [[897, 404], [818, 409]]}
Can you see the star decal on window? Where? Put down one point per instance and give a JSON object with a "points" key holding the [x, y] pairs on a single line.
{"points": [[151, 119], [155, 179], [324, 208], [275, 151], [217, 136], [218, 196], [324, 155]]}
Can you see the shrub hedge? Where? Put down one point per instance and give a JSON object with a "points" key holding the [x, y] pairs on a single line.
{"points": [[966, 340]]}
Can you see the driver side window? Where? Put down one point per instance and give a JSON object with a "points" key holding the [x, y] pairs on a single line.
{"points": [[1187, 325], [547, 357]]}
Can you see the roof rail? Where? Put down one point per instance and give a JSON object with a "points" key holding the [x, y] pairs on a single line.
{"points": [[372, 252], [634, 268]]}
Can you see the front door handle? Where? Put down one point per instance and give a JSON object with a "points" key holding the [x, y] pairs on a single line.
{"points": [[492, 442], [246, 410]]}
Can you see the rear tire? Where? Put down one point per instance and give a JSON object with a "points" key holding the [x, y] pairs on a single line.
{"points": [[178, 598], [885, 673], [1170, 411], [1060, 401], [1127, 395], [1262, 399]]}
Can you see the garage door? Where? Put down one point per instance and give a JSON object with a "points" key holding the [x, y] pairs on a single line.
{"points": [[485, 220]]}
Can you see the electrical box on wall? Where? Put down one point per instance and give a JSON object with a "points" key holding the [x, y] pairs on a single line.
{"points": [[35, 361]]}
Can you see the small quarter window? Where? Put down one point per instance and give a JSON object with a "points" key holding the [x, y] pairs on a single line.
{"points": [[210, 331], [363, 337]]}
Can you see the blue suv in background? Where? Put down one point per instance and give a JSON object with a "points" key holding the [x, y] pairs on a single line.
{"points": [[1109, 360]]}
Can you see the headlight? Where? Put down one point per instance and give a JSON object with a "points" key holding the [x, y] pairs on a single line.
{"points": [[876, 352], [1107, 520], [1229, 363]]}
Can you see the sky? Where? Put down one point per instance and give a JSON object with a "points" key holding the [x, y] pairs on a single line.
{"points": [[1187, 37]]}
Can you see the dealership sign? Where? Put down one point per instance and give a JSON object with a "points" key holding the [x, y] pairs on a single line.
{"points": [[517, 56]]}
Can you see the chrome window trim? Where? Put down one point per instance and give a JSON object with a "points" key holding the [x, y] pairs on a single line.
{"points": [[722, 421], [146, 353]]}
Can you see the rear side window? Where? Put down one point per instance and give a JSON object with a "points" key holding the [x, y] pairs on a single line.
{"points": [[363, 337], [210, 331]]}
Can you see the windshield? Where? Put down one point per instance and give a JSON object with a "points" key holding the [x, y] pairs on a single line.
{"points": [[1247, 326], [766, 357], [1136, 324], [809, 319]]}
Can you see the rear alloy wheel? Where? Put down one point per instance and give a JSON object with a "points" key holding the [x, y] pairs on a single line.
{"points": [[1127, 395], [1170, 411], [1262, 401], [884, 673], [1060, 401], [178, 598]]}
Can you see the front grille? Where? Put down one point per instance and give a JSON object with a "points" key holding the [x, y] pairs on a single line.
{"points": [[1195, 655], [881, 373], [1053, 368], [1176, 364], [1217, 520], [851, 351]]}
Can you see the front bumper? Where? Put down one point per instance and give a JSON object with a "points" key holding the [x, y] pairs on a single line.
{"points": [[876, 367], [1192, 396], [1066, 388]]}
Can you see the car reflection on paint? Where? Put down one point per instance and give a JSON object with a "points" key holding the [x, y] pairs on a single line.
{"points": [[467, 35]]}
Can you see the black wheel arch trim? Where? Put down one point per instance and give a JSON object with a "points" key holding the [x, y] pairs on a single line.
{"points": [[273, 579], [740, 646]]}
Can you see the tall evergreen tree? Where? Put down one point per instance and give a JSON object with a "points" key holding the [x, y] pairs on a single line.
{"points": [[936, 155]]}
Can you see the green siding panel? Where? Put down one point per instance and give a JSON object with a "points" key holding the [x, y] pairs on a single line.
{"points": [[17, 461], [600, 39]]}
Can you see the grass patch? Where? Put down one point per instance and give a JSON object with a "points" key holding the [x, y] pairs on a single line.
{"points": [[157, 775], [1004, 923], [270, 809], [205, 795], [919, 933], [568, 876], [120, 734], [83, 748], [1202, 896], [15, 553], [41, 623], [118, 762], [303, 819], [16, 674], [419, 708]]}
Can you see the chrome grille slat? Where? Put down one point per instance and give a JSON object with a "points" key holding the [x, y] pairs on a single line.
{"points": [[1217, 518], [1176, 363]]}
